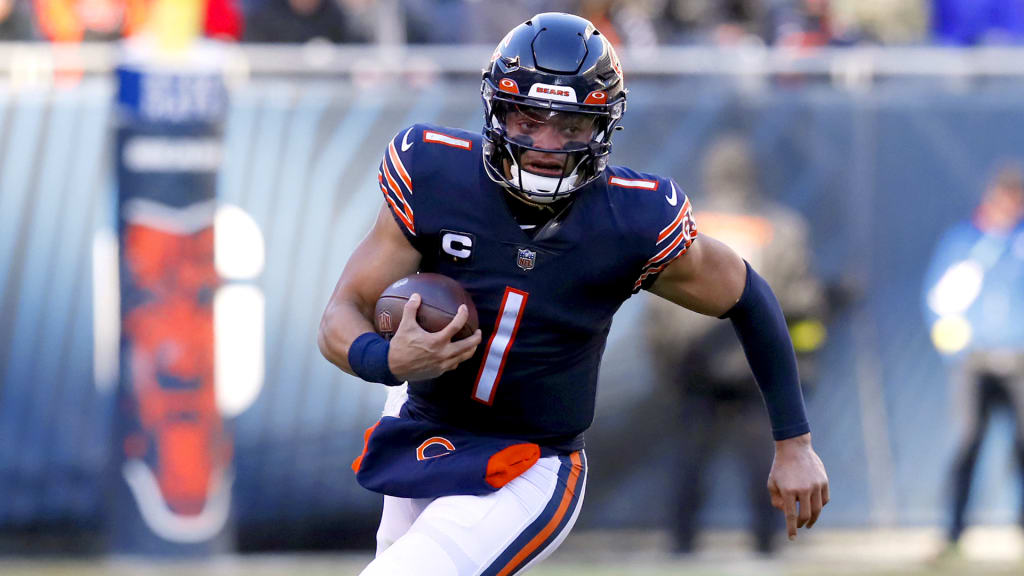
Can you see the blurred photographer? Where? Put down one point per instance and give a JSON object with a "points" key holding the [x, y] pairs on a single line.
{"points": [[720, 403], [974, 304]]}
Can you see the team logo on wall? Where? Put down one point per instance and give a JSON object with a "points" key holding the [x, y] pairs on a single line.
{"points": [[177, 453], [527, 259]]}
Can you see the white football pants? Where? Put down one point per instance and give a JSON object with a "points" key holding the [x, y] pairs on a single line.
{"points": [[498, 534]]}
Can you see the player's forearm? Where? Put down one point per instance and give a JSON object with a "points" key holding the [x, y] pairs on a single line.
{"points": [[342, 322], [761, 328]]}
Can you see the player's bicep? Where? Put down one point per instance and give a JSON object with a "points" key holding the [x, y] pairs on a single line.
{"points": [[383, 256], [708, 278]]}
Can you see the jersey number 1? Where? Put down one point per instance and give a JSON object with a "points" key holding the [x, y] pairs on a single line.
{"points": [[511, 312]]}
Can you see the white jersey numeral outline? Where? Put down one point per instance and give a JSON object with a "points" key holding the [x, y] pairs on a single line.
{"points": [[513, 303]]}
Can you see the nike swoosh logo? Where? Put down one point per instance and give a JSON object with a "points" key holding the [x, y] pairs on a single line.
{"points": [[405, 141], [673, 199]]}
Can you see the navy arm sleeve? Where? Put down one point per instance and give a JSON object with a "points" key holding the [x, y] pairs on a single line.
{"points": [[761, 328]]}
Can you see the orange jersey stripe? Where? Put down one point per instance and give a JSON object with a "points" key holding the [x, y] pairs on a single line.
{"points": [[668, 229], [402, 173], [397, 191], [398, 212], [679, 218], [668, 249], [385, 187], [638, 283], [358, 462], [393, 186], [563, 506]]}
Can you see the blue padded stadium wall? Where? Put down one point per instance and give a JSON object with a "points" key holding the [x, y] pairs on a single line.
{"points": [[878, 174]]}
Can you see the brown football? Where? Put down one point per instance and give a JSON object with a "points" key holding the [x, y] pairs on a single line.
{"points": [[441, 297]]}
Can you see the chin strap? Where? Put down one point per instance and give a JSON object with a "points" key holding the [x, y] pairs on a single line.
{"points": [[543, 189]]}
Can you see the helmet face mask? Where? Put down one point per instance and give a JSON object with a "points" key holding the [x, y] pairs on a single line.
{"points": [[554, 139], [545, 151]]}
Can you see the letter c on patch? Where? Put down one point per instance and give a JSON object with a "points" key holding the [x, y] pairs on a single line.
{"points": [[457, 245]]}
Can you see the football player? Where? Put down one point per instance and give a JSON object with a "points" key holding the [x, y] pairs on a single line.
{"points": [[480, 452]]}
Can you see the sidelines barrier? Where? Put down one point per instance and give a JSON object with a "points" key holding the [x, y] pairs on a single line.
{"points": [[878, 161]]}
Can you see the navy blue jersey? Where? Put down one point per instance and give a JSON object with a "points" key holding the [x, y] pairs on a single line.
{"points": [[545, 303]]}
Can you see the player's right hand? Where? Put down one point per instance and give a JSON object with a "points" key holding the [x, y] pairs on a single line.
{"points": [[416, 354]]}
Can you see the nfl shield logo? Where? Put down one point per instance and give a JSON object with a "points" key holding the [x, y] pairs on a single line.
{"points": [[527, 258], [384, 322]]}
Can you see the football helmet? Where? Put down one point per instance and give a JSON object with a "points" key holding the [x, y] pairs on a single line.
{"points": [[553, 95]]}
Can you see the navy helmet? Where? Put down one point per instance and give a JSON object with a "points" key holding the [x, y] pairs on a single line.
{"points": [[553, 67]]}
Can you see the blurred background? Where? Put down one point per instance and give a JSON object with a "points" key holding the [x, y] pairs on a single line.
{"points": [[181, 182]]}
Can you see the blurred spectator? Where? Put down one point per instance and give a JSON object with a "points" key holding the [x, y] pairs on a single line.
{"points": [[16, 21], [970, 22], [700, 357], [298, 21], [974, 303], [805, 23], [473, 21], [98, 20], [625, 23], [726, 22], [801, 23], [223, 20], [88, 20], [880, 21], [368, 19]]}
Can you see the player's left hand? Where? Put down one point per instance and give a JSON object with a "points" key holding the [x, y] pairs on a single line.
{"points": [[797, 483]]}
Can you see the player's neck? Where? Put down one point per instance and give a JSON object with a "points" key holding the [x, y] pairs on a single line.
{"points": [[532, 217]]}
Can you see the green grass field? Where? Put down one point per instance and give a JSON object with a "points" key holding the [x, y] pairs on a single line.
{"points": [[904, 552], [351, 565]]}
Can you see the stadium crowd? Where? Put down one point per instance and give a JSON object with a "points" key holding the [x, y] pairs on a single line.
{"points": [[805, 23]]}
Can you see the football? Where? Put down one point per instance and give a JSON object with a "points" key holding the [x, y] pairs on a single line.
{"points": [[441, 297]]}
